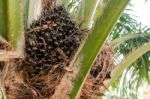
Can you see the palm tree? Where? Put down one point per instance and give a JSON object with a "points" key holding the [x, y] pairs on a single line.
{"points": [[14, 23]]}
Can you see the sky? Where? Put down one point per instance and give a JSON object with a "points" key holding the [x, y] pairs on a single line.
{"points": [[142, 10]]}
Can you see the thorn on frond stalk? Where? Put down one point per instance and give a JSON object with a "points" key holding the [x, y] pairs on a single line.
{"points": [[103, 85]]}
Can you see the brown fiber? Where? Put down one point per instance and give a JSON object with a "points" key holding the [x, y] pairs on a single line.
{"points": [[100, 71]]}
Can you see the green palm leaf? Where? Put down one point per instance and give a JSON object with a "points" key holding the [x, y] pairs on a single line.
{"points": [[3, 18], [95, 40]]}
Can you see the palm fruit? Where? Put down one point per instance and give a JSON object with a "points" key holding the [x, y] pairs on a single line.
{"points": [[50, 43]]}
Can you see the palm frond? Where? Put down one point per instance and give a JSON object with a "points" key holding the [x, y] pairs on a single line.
{"points": [[3, 18], [139, 70], [95, 41], [15, 24]]}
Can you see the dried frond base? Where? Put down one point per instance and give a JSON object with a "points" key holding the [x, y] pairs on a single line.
{"points": [[13, 83], [100, 71]]}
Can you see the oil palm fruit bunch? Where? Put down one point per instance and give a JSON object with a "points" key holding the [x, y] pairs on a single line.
{"points": [[50, 43], [52, 39]]}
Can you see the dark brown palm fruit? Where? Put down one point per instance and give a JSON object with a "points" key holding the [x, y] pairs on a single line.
{"points": [[50, 43], [52, 39], [100, 71]]}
